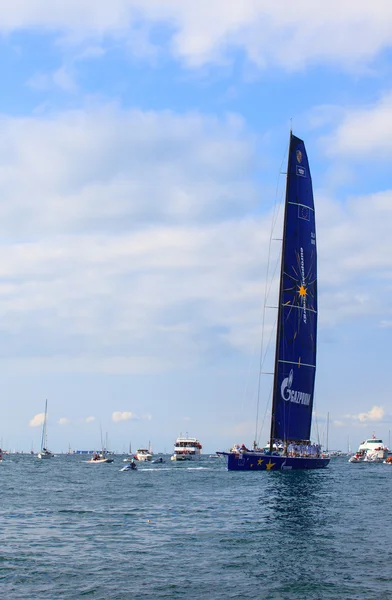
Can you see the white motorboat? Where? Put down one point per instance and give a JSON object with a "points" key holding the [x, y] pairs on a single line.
{"points": [[186, 449], [143, 454], [99, 458], [371, 450]]}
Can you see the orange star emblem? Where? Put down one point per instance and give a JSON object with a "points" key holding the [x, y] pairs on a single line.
{"points": [[302, 291], [269, 465], [260, 461]]}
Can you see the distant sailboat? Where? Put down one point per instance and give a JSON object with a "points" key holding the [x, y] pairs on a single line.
{"points": [[130, 457], [101, 457], [289, 446], [45, 453]]}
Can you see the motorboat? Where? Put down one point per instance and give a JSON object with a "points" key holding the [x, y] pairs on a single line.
{"points": [[143, 454], [357, 457], [186, 449], [370, 450], [100, 457]]}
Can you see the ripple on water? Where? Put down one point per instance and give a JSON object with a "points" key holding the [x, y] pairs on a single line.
{"points": [[69, 531]]}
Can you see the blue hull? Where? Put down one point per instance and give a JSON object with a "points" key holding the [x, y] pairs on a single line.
{"points": [[257, 461]]}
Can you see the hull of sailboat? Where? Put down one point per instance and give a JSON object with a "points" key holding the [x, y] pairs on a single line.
{"points": [[44, 455], [255, 461]]}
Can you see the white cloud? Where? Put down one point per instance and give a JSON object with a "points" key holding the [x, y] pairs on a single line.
{"points": [[291, 36], [37, 421], [62, 78], [174, 263], [374, 414], [364, 132], [64, 421], [121, 416]]}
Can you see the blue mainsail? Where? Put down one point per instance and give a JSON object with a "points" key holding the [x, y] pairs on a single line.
{"points": [[295, 360]]}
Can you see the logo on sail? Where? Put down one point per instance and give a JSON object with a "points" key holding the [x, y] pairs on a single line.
{"points": [[290, 395], [299, 156], [303, 212]]}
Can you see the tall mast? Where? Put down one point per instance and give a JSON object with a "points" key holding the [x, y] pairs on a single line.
{"points": [[278, 326], [43, 439], [327, 430]]}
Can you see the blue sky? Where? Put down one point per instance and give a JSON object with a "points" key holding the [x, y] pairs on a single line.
{"points": [[140, 159]]}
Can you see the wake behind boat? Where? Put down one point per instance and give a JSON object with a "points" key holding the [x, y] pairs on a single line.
{"points": [[289, 446]]}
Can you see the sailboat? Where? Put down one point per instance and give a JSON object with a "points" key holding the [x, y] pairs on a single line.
{"points": [[44, 453], [101, 457], [130, 456], [289, 446]]}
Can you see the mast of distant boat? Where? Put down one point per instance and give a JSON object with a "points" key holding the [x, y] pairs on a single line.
{"points": [[43, 439], [327, 430]]}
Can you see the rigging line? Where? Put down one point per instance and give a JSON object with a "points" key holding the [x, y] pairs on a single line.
{"points": [[315, 417], [275, 214], [267, 404], [247, 379]]}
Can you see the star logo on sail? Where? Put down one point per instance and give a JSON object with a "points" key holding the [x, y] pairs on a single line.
{"points": [[302, 291]]}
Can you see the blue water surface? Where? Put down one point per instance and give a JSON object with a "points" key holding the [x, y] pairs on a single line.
{"points": [[73, 530]]}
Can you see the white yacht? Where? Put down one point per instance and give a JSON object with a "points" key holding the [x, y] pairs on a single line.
{"points": [[186, 449], [371, 450], [143, 454]]}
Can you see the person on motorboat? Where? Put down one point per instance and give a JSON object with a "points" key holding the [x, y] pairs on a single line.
{"points": [[133, 464]]}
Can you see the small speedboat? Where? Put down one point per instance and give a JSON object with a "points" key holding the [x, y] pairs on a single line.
{"points": [[100, 458], [357, 457], [157, 461]]}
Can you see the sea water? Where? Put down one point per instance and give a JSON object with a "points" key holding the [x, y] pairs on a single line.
{"points": [[73, 530]]}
